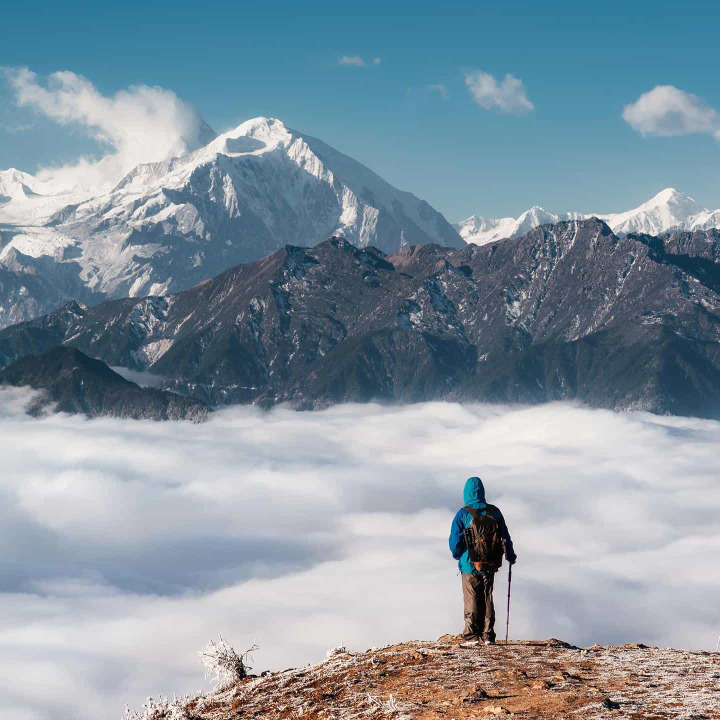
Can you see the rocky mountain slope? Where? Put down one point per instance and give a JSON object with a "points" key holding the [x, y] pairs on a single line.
{"points": [[169, 225], [441, 680], [669, 211], [75, 383], [569, 311]]}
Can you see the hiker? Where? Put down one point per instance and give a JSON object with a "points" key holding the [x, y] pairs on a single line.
{"points": [[478, 540]]}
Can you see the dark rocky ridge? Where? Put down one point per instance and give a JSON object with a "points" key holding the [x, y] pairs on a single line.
{"points": [[569, 311], [75, 383]]}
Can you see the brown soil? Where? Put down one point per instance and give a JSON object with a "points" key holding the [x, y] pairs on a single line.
{"points": [[442, 680]]}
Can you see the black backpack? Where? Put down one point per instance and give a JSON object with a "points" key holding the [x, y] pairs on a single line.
{"points": [[483, 540]]}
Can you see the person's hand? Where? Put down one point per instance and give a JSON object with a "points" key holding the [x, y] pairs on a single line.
{"points": [[512, 560]]}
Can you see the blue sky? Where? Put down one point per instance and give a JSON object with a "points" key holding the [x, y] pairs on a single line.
{"points": [[580, 65]]}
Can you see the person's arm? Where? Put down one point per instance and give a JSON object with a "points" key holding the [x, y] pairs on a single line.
{"points": [[506, 539], [457, 536]]}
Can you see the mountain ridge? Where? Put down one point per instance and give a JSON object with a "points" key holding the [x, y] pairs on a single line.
{"points": [[566, 312], [72, 382]]}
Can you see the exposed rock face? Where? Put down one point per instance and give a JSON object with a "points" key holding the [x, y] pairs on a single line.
{"points": [[30, 286], [75, 383], [441, 680], [569, 311]]}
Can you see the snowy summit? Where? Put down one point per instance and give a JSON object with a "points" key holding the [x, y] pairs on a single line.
{"points": [[668, 211]]}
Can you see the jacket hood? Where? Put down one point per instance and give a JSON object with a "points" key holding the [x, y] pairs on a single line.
{"points": [[474, 491]]}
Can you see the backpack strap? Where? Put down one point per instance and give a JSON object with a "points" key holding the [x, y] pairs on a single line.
{"points": [[487, 510]]}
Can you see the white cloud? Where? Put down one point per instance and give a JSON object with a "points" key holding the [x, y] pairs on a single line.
{"points": [[125, 546], [508, 96], [357, 61], [140, 124], [667, 110], [441, 89]]}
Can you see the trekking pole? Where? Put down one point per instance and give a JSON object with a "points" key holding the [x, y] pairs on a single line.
{"points": [[507, 621]]}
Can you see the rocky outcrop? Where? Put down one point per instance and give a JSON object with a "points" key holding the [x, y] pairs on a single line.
{"points": [[442, 680]]}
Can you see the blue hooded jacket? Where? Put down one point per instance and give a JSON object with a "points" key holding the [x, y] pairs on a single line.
{"points": [[474, 496]]}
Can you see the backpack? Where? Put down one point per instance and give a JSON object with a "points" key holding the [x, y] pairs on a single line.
{"points": [[483, 541]]}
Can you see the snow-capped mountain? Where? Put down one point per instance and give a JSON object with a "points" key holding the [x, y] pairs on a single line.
{"points": [[668, 211], [169, 225], [15, 185]]}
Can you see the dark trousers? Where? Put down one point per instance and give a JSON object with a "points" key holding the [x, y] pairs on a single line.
{"points": [[478, 604]]}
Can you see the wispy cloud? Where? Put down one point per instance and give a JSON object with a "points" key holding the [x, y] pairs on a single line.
{"points": [[440, 89], [125, 546], [140, 124], [667, 110], [508, 96], [357, 61], [14, 129]]}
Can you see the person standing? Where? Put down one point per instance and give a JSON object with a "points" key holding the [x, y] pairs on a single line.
{"points": [[479, 539]]}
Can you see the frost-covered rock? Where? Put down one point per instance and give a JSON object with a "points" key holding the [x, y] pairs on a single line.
{"points": [[534, 680]]}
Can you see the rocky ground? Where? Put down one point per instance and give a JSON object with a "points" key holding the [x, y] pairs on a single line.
{"points": [[428, 680]]}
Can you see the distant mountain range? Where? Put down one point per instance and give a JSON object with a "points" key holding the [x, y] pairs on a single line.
{"points": [[668, 212], [169, 225], [567, 311]]}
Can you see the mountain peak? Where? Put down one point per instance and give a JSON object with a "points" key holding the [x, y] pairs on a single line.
{"points": [[666, 194], [667, 211], [262, 127], [671, 196]]}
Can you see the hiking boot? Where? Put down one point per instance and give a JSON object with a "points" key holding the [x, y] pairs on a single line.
{"points": [[489, 642], [471, 641]]}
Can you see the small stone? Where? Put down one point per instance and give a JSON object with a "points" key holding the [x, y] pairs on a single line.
{"points": [[541, 685]]}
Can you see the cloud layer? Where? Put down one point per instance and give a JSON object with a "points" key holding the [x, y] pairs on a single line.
{"points": [[667, 110], [140, 124], [508, 96], [125, 546]]}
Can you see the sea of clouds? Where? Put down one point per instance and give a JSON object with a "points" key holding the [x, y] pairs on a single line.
{"points": [[125, 546]]}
